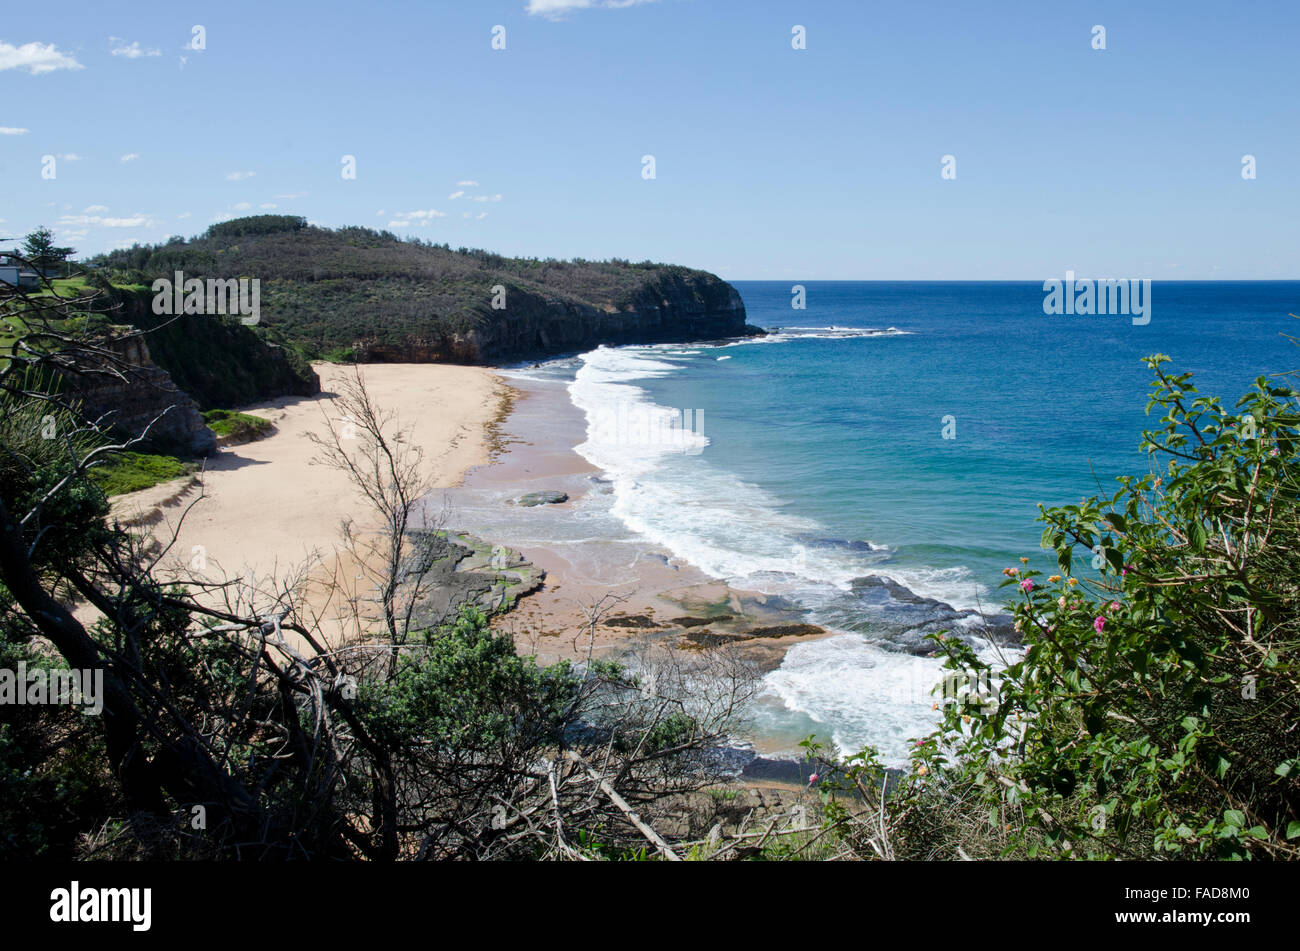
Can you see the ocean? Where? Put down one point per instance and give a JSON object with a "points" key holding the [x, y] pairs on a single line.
{"points": [[904, 432]]}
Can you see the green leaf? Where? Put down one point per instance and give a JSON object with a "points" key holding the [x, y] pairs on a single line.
{"points": [[1293, 829], [1114, 558], [1196, 536], [1235, 817]]}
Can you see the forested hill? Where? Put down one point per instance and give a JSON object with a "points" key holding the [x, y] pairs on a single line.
{"points": [[354, 293]]}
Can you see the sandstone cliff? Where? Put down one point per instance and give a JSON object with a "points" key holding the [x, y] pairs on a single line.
{"points": [[134, 397]]}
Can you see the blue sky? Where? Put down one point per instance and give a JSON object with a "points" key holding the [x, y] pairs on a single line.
{"points": [[770, 162]]}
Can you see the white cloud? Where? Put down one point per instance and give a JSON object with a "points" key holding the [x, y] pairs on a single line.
{"points": [[481, 215], [92, 209], [70, 157], [496, 197], [242, 206], [64, 234], [550, 8], [239, 176], [454, 195], [135, 221], [183, 214], [11, 130], [36, 58], [268, 205], [130, 157], [558, 8], [404, 219], [290, 197], [468, 183], [134, 51]]}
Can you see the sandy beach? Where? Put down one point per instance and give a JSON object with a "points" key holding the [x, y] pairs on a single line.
{"points": [[267, 510]]}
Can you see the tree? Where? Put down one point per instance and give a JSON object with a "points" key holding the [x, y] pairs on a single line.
{"points": [[40, 250]]}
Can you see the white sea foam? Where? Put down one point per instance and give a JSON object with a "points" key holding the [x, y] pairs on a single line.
{"points": [[787, 334], [864, 694]]}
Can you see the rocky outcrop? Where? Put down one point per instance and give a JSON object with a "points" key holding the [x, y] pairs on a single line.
{"points": [[547, 497], [904, 620], [671, 308], [133, 397], [461, 570]]}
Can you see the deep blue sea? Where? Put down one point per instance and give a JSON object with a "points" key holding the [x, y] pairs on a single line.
{"points": [[821, 456]]}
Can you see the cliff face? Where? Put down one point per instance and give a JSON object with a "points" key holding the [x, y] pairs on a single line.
{"points": [[140, 398], [672, 309], [216, 360]]}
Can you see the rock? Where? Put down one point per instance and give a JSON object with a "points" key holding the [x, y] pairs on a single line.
{"points": [[463, 569], [786, 630], [631, 620], [141, 396], [548, 497], [688, 621], [903, 619]]}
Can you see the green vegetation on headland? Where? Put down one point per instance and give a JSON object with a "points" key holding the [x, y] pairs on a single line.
{"points": [[369, 295]]}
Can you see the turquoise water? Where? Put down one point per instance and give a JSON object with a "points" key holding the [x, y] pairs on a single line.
{"points": [[818, 459], [848, 431]]}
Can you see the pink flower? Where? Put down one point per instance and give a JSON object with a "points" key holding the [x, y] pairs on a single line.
{"points": [[1123, 571], [1099, 623], [1114, 605], [812, 779], [1060, 602], [1026, 586]]}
